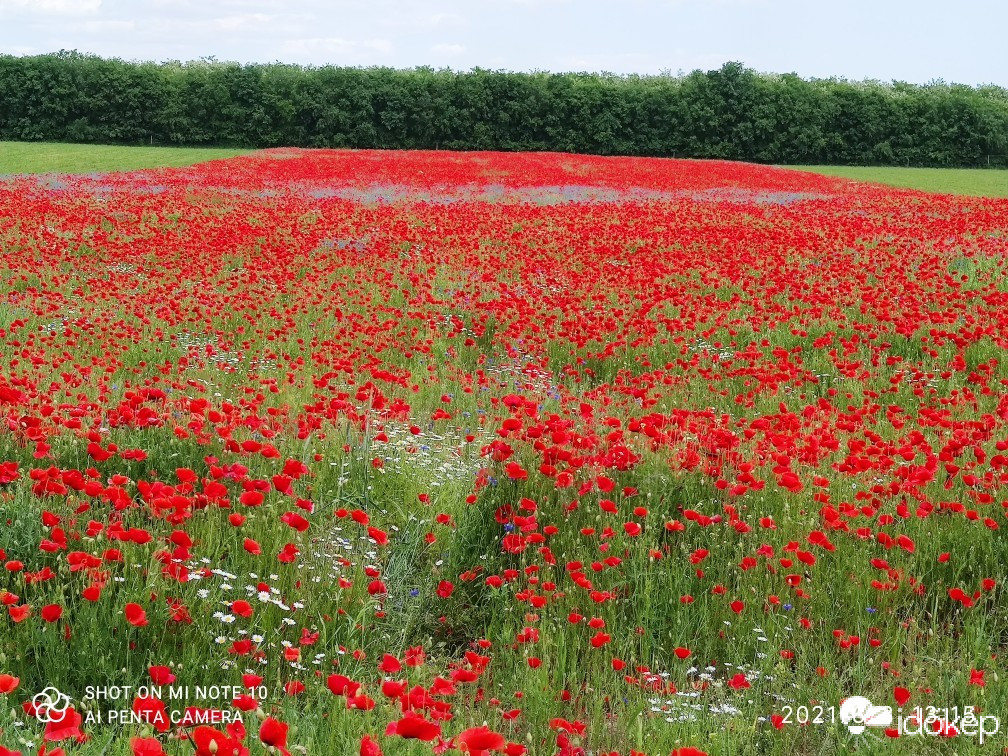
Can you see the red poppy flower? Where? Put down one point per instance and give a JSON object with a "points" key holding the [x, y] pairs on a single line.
{"points": [[135, 615], [63, 726], [480, 740], [153, 711], [211, 742], [341, 685], [738, 682], [414, 726], [8, 684], [390, 665], [145, 747], [273, 733]]}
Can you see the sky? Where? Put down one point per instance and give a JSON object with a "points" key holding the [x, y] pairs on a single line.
{"points": [[915, 41]]}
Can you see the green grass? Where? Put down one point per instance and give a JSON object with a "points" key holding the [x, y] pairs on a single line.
{"points": [[977, 182], [41, 157]]}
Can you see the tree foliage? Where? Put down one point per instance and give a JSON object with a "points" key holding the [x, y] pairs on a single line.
{"points": [[732, 112]]}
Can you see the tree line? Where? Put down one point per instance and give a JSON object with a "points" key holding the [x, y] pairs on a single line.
{"points": [[732, 112]]}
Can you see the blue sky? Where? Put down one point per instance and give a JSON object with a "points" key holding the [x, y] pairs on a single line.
{"points": [[881, 39]]}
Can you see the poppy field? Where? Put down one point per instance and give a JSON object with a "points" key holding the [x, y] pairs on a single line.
{"points": [[340, 452]]}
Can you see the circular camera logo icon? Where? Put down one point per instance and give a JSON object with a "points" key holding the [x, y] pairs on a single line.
{"points": [[50, 705]]}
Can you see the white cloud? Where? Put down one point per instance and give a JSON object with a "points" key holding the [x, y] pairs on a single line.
{"points": [[317, 47], [448, 49], [445, 19], [217, 5], [243, 22], [192, 28], [51, 7], [108, 25]]}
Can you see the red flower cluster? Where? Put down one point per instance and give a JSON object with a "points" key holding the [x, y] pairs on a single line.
{"points": [[488, 451]]}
